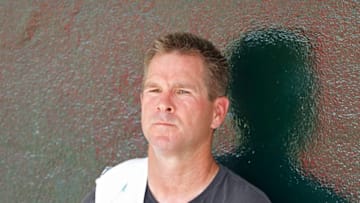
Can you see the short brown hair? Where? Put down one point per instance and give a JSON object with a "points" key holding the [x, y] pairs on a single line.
{"points": [[216, 66]]}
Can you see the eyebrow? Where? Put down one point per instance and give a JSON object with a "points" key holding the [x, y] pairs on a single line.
{"points": [[185, 85], [150, 84]]}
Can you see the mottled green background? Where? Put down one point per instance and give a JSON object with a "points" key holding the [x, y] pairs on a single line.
{"points": [[70, 74]]}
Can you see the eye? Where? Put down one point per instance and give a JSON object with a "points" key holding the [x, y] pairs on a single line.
{"points": [[153, 90], [182, 91]]}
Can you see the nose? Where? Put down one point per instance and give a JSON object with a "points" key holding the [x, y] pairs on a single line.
{"points": [[165, 103]]}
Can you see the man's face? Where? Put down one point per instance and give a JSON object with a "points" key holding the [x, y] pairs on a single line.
{"points": [[177, 115]]}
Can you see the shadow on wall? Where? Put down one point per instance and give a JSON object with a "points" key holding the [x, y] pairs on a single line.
{"points": [[273, 94]]}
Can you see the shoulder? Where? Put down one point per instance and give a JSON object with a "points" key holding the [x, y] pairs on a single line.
{"points": [[125, 167], [125, 181], [126, 170], [132, 163], [240, 189]]}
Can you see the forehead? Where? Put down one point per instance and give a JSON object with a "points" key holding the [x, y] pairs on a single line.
{"points": [[175, 63], [176, 70]]}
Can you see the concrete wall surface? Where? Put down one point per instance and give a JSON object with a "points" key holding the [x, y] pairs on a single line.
{"points": [[70, 76]]}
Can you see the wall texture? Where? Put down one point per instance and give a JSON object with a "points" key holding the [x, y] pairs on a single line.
{"points": [[70, 74]]}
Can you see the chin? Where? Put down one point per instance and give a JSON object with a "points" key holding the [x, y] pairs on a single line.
{"points": [[163, 143]]}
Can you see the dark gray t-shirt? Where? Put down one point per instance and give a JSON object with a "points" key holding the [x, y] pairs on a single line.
{"points": [[227, 187]]}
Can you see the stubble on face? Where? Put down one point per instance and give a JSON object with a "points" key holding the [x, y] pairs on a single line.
{"points": [[182, 90]]}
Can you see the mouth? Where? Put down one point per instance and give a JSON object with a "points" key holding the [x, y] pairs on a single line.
{"points": [[164, 124]]}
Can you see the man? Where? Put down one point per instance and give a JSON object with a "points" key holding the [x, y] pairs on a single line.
{"points": [[183, 101]]}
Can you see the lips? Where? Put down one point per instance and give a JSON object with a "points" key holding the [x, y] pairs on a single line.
{"points": [[164, 120], [163, 123]]}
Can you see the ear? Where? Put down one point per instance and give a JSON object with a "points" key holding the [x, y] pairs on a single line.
{"points": [[221, 106]]}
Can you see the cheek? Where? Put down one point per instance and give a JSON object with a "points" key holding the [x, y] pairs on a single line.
{"points": [[196, 112], [146, 104], [144, 111]]}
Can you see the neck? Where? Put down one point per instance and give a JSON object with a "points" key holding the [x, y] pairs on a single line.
{"points": [[172, 179]]}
